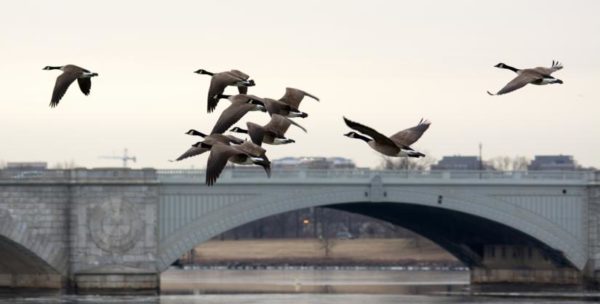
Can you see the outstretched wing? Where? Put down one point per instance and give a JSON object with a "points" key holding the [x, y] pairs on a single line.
{"points": [[520, 81], [547, 71], [219, 155], [231, 115], [411, 135], [293, 97], [63, 81], [378, 137], [192, 151], [85, 84]]}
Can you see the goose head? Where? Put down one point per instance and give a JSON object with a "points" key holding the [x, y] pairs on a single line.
{"points": [[500, 65], [238, 130], [195, 133], [203, 72], [52, 67]]}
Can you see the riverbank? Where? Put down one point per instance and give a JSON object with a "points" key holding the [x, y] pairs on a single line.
{"points": [[303, 252]]}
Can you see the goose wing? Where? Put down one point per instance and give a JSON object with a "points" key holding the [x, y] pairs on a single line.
{"points": [[411, 135], [231, 115], [280, 124], [217, 86], [378, 137], [256, 132], [85, 84], [219, 155], [63, 81], [527, 76], [192, 151], [293, 97], [547, 71]]}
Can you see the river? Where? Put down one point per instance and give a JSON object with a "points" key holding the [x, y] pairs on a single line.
{"points": [[306, 286]]}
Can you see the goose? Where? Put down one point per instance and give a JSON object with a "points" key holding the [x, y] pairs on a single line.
{"points": [[272, 133], [244, 154], [240, 105], [293, 97], [220, 81], [537, 76], [209, 140], [64, 80], [395, 145]]}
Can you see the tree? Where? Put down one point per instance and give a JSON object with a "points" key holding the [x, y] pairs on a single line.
{"points": [[506, 163], [406, 163]]}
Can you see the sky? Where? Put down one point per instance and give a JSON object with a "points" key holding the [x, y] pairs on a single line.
{"points": [[386, 64]]}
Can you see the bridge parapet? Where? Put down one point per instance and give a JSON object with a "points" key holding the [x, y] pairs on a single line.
{"points": [[244, 175]]}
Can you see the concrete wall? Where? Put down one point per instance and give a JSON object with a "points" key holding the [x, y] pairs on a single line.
{"points": [[89, 230]]}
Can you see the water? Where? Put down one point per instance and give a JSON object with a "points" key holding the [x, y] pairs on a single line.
{"points": [[305, 286]]}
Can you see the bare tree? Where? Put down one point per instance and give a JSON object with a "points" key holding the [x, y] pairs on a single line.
{"points": [[506, 163], [406, 163], [65, 165]]}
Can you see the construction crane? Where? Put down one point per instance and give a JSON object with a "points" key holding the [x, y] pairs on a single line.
{"points": [[125, 158]]}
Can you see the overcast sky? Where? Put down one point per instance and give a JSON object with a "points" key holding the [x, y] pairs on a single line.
{"points": [[383, 63]]}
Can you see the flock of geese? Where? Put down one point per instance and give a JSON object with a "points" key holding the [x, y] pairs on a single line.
{"points": [[225, 148]]}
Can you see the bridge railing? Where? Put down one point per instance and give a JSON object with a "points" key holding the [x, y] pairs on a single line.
{"points": [[78, 174], [243, 174]]}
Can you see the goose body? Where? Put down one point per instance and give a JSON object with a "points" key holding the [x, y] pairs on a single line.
{"points": [[63, 81], [272, 133], [536, 76], [278, 107], [220, 81], [245, 154], [397, 145]]}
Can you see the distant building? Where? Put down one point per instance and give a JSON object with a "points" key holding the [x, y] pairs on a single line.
{"points": [[458, 162], [313, 163], [553, 162], [27, 166]]}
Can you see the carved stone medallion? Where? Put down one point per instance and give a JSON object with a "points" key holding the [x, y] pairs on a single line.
{"points": [[115, 226]]}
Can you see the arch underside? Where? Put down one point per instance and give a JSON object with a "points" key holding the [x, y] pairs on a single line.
{"points": [[461, 234], [17, 260], [461, 225]]}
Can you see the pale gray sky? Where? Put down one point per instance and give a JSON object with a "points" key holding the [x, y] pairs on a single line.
{"points": [[383, 63]]}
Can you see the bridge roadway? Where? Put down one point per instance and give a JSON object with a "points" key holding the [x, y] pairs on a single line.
{"points": [[93, 230]]}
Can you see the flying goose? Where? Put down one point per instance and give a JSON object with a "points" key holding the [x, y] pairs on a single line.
{"points": [[240, 105], [293, 97], [64, 80], [209, 140], [244, 154], [272, 133], [220, 81], [537, 76], [395, 145]]}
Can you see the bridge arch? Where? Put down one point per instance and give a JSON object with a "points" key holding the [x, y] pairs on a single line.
{"points": [[487, 208], [22, 252]]}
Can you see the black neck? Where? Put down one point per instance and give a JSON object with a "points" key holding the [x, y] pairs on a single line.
{"points": [[224, 96], [205, 72], [54, 67], [240, 130], [366, 139], [508, 67], [197, 133]]}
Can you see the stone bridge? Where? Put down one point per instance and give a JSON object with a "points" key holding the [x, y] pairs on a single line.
{"points": [[117, 229]]}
